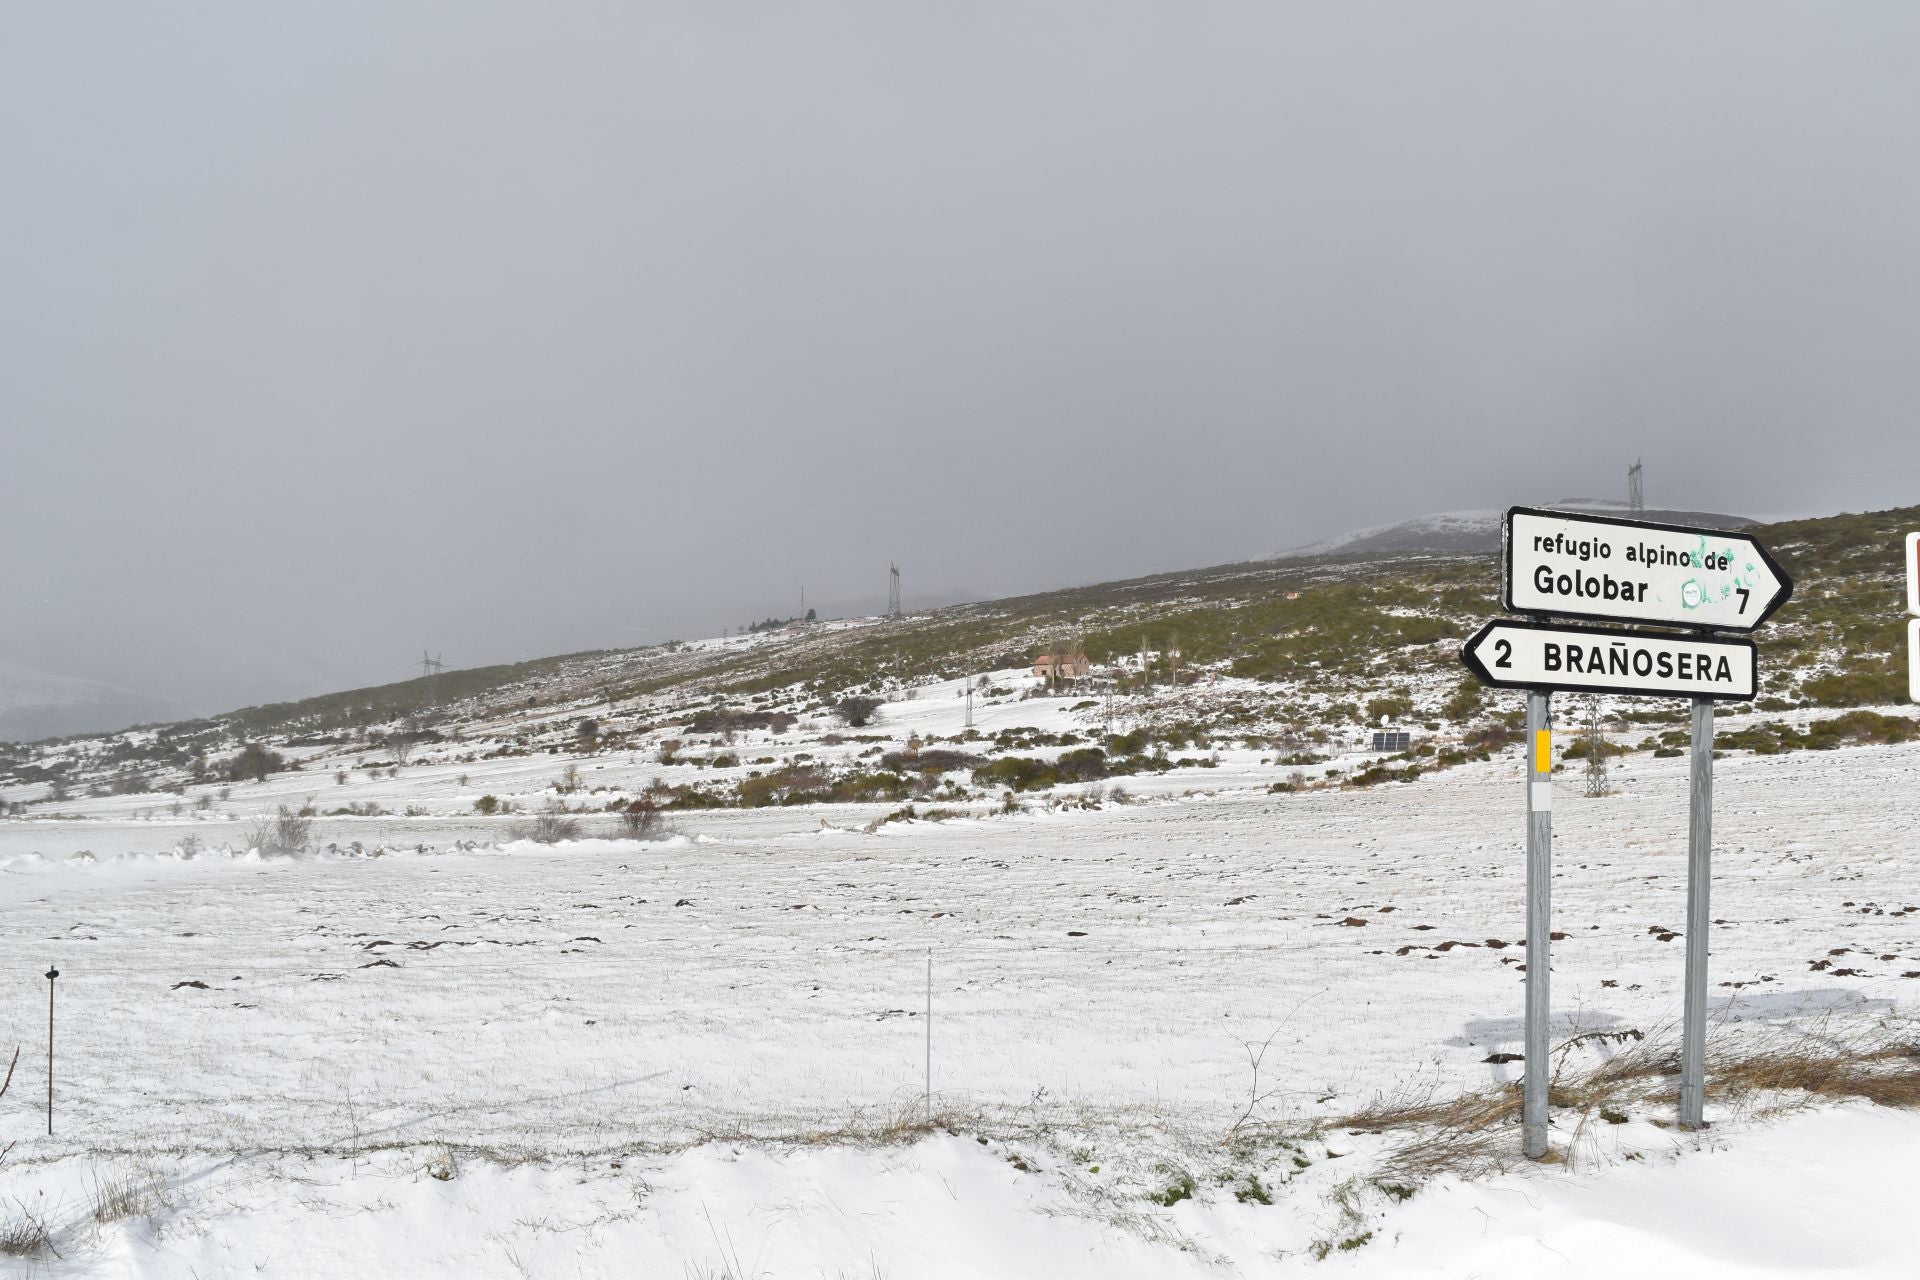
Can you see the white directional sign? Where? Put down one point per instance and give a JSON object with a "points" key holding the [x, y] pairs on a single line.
{"points": [[1913, 573], [1580, 566], [1527, 655], [1913, 659]]}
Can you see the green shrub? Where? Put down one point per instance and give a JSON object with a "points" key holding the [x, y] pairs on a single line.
{"points": [[1465, 702], [937, 760], [856, 711], [1393, 708], [1182, 1189], [254, 763], [1376, 774], [1016, 773]]}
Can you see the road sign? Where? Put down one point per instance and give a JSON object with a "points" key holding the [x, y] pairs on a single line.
{"points": [[1559, 565], [1580, 566], [1530, 655], [1913, 659], [1913, 573]]}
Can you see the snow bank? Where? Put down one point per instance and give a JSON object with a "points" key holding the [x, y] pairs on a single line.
{"points": [[1824, 1193]]}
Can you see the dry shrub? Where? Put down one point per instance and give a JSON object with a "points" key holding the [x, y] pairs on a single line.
{"points": [[287, 830], [260, 834], [443, 1165], [548, 827], [4, 1086], [643, 819]]}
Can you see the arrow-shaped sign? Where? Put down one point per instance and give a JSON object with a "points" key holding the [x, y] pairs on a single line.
{"points": [[1529, 655], [1913, 659], [1580, 566]]}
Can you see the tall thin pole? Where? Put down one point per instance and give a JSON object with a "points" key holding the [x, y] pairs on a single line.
{"points": [[1693, 1035], [929, 1037], [52, 973], [1533, 1110]]}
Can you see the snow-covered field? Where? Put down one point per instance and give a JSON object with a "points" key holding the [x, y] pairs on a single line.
{"points": [[630, 1058]]}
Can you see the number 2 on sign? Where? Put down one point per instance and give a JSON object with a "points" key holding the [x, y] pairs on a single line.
{"points": [[1505, 649]]}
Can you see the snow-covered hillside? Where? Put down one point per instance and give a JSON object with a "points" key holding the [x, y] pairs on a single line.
{"points": [[860, 949], [709, 1053], [630, 1054]]}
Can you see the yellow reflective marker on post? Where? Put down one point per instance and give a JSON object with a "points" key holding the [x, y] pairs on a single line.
{"points": [[1543, 751]]}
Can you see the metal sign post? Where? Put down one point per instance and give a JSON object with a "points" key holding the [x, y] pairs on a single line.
{"points": [[1533, 1102], [1693, 1034], [1558, 566], [52, 973]]}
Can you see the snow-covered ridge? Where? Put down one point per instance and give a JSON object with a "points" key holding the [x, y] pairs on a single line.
{"points": [[1476, 531]]}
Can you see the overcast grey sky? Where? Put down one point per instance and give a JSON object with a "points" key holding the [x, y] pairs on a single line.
{"points": [[332, 331]]}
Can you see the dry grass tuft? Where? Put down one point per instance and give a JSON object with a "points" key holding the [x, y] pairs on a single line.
{"points": [[1465, 1112], [1888, 1076], [863, 1128], [24, 1234], [1471, 1135], [125, 1195], [1468, 1135]]}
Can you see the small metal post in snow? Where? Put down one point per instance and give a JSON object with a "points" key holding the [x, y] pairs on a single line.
{"points": [[1533, 1107], [52, 973], [929, 1106], [1693, 1034]]}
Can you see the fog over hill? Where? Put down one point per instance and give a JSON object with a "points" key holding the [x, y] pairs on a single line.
{"points": [[1477, 531], [34, 704]]}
